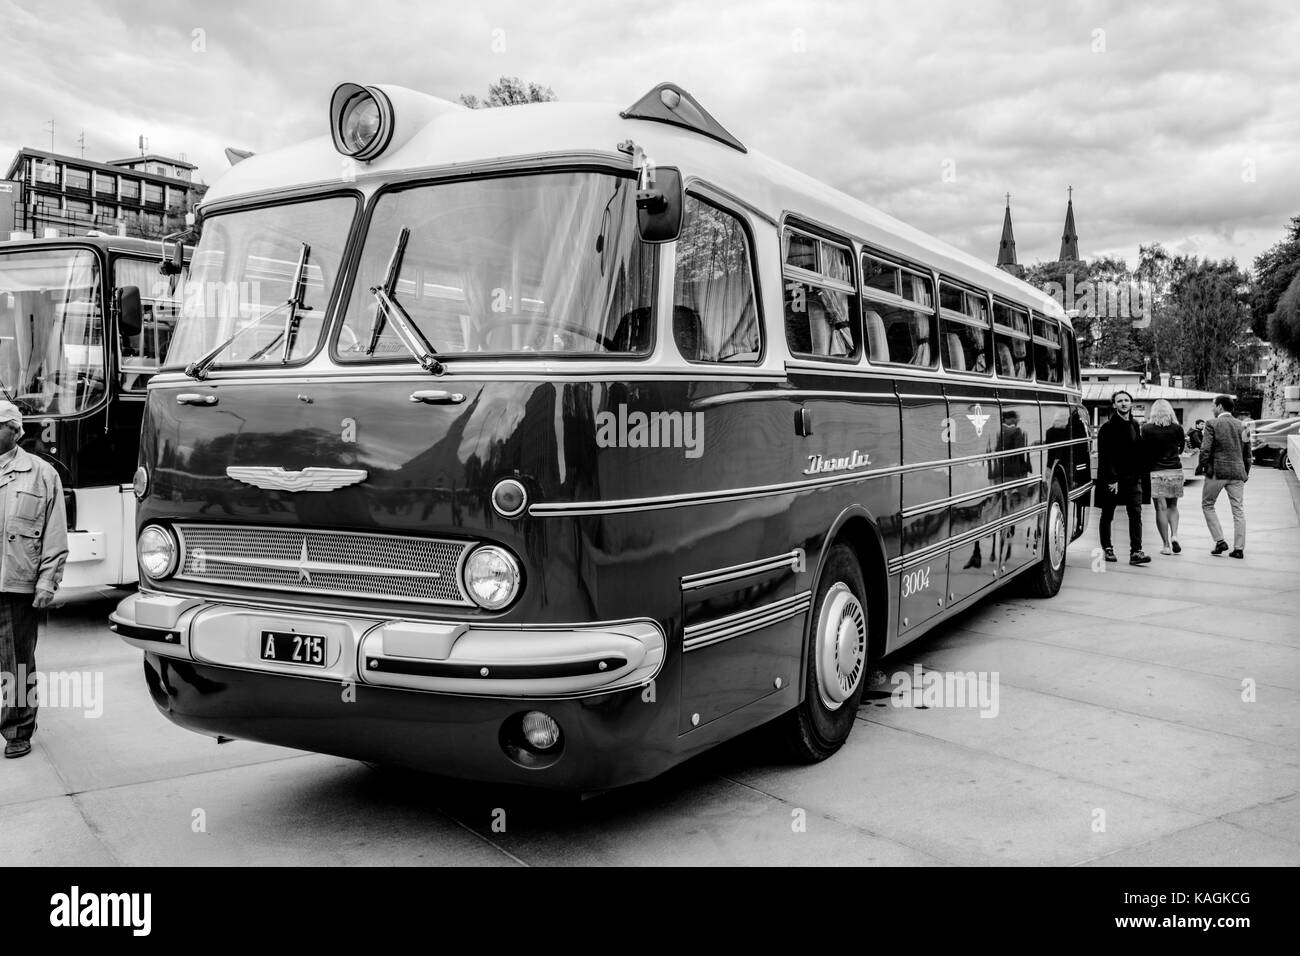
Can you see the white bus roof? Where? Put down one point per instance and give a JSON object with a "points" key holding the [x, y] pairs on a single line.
{"points": [[458, 137]]}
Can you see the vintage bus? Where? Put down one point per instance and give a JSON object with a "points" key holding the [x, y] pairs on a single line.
{"points": [[84, 323], [566, 443]]}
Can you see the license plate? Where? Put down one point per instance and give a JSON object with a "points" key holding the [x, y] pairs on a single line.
{"points": [[285, 647]]}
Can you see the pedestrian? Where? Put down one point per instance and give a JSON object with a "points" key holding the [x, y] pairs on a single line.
{"points": [[1122, 476], [32, 553], [1196, 433], [1225, 460], [1163, 438]]}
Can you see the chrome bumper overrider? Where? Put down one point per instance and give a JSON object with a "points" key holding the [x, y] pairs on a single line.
{"points": [[447, 657]]}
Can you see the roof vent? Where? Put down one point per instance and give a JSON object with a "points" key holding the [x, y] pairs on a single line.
{"points": [[669, 103]]}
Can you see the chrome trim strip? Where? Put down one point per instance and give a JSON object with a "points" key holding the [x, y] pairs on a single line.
{"points": [[744, 622], [793, 560], [794, 395], [587, 509], [915, 510], [914, 558], [1080, 492]]}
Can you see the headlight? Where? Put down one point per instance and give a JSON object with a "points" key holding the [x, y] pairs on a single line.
{"points": [[140, 483], [156, 549], [361, 121], [491, 577]]}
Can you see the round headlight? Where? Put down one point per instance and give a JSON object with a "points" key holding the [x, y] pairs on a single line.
{"points": [[156, 549], [491, 577], [509, 498], [361, 120], [140, 483]]}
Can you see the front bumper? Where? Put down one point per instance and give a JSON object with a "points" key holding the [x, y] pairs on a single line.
{"points": [[524, 661], [413, 693]]}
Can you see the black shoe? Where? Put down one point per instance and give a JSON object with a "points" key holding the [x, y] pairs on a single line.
{"points": [[1110, 554], [1219, 548], [18, 748], [1236, 553], [1138, 557], [1178, 548]]}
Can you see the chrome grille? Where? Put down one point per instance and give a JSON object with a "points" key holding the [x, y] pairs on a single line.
{"points": [[343, 563]]}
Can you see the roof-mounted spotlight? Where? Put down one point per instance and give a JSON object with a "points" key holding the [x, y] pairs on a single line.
{"points": [[361, 120]]}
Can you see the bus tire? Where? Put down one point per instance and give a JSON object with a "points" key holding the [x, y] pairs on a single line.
{"points": [[838, 660], [1045, 579]]}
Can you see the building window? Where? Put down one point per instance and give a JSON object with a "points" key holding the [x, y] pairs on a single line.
{"points": [[78, 179], [76, 207], [715, 317], [105, 184], [130, 189], [153, 194]]}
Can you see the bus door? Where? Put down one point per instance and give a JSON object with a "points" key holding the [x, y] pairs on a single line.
{"points": [[923, 582], [1019, 473], [973, 437]]}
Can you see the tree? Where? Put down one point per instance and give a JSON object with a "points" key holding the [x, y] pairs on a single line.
{"points": [[1099, 292], [509, 91], [1284, 323], [1211, 301], [1275, 269]]}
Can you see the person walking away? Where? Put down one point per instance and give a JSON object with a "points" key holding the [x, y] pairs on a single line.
{"points": [[1225, 460], [32, 553], [1163, 438], [1122, 476]]}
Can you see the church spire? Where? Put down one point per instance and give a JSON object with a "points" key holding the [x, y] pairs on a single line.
{"points": [[1070, 238], [1007, 247]]}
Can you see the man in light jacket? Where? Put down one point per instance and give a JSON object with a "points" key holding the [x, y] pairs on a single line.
{"points": [[32, 553], [1225, 462]]}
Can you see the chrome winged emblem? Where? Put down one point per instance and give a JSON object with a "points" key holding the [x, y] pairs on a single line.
{"points": [[978, 420], [309, 479]]}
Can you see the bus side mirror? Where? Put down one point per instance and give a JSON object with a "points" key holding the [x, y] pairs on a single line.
{"points": [[129, 320], [174, 264], [659, 206]]}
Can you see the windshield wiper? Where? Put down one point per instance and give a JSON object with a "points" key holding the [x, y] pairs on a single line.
{"points": [[198, 369], [408, 333]]}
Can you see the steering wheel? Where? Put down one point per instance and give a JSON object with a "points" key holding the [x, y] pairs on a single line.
{"points": [[511, 320]]}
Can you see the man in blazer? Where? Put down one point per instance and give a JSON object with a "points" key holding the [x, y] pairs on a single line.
{"points": [[1122, 476], [1225, 462]]}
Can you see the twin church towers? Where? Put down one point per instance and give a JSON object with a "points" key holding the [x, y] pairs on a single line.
{"points": [[1007, 247]]}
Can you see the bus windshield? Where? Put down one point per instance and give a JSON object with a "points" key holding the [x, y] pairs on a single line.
{"points": [[51, 330], [243, 269], [537, 264]]}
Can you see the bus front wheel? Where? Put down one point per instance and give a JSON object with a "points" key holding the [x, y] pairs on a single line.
{"points": [[838, 656], [1045, 579]]}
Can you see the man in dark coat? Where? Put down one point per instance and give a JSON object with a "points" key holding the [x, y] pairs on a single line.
{"points": [[1122, 476]]}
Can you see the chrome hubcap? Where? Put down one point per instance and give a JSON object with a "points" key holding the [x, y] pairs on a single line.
{"points": [[841, 646], [1056, 534]]}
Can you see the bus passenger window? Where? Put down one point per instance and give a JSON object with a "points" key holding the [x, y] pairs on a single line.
{"points": [[966, 337], [820, 299], [1048, 355], [715, 317], [1011, 337], [897, 316]]}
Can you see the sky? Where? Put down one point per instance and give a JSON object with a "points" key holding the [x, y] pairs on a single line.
{"points": [[1176, 123]]}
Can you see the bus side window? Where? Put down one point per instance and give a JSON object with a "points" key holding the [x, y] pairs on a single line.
{"points": [[820, 298], [715, 314], [898, 332]]}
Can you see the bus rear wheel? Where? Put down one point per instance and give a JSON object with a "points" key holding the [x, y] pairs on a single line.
{"points": [[1045, 580], [838, 657]]}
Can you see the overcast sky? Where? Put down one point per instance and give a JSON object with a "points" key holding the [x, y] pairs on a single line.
{"points": [[1174, 122]]}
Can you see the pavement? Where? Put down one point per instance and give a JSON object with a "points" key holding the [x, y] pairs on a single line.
{"points": [[1144, 716]]}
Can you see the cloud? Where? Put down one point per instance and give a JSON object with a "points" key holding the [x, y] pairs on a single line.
{"points": [[1174, 123]]}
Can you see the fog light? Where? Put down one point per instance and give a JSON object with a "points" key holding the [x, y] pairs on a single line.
{"points": [[540, 730]]}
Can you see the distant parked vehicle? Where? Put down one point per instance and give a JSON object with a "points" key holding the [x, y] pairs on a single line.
{"points": [[1270, 444]]}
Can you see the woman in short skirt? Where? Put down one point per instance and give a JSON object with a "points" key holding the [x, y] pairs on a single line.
{"points": [[1164, 439]]}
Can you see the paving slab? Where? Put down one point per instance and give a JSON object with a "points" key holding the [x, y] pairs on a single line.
{"points": [[50, 832], [1216, 843]]}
